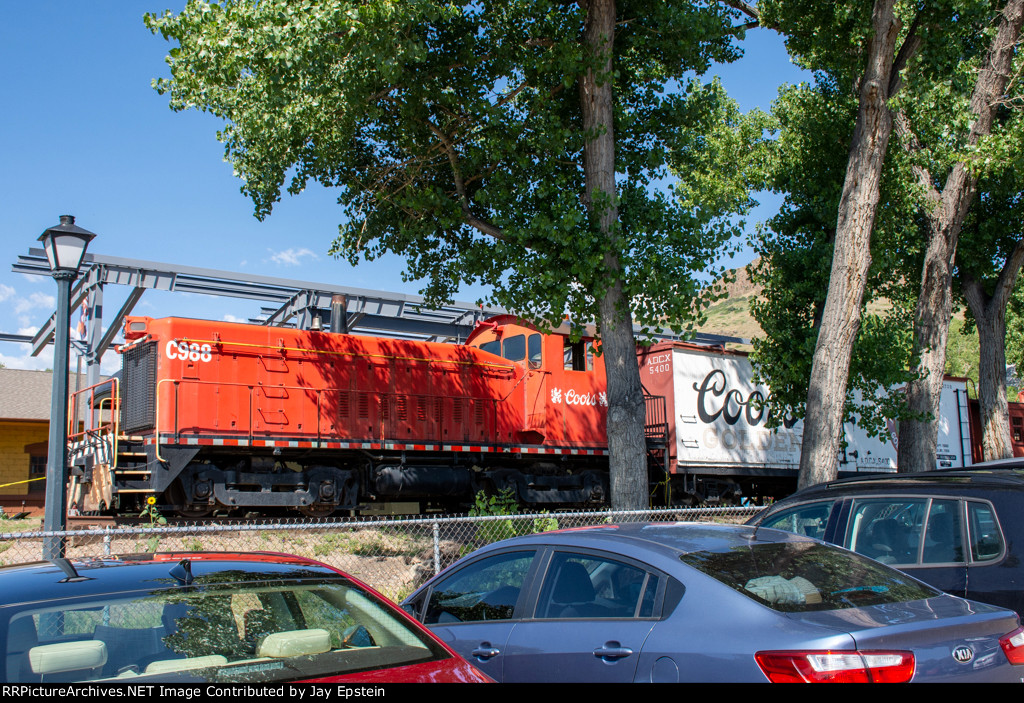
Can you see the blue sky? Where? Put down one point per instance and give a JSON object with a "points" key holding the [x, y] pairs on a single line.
{"points": [[83, 133]]}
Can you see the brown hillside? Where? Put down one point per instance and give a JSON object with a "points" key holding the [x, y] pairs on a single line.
{"points": [[731, 315]]}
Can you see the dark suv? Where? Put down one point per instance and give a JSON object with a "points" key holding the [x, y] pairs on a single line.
{"points": [[960, 530]]}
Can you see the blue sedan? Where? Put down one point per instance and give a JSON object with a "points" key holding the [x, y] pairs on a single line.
{"points": [[698, 602]]}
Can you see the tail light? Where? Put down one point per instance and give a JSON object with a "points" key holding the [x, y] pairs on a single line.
{"points": [[1013, 645], [831, 666]]}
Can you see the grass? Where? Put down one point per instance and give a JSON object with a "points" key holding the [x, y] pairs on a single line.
{"points": [[29, 524], [370, 544]]}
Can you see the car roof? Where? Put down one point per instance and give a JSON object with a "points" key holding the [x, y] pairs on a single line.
{"points": [[1007, 473], [51, 580], [671, 538]]}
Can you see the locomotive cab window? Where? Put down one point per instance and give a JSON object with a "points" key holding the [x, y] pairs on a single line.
{"points": [[493, 347], [514, 348]]}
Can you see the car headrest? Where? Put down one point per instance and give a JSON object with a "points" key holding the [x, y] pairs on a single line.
{"points": [[295, 643], [67, 656], [168, 665]]}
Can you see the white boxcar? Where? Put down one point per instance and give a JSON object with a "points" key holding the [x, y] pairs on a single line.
{"points": [[719, 441]]}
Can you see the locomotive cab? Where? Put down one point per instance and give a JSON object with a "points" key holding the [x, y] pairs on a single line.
{"points": [[515, 340]]}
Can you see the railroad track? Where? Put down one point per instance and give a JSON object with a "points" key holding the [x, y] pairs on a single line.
{"points": [[85, 522]]}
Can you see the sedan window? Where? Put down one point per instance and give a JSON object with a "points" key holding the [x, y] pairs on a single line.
{"points": [[585, 586], [253, 631], [908, 531], [887, 529], [985, 536], [943, 541], [807, 576], [484, 590]]}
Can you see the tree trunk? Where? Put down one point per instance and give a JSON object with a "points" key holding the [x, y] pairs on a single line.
{"points": [[990, 315], [995, 413], [918, 439], [823, 422], [626, 443]]}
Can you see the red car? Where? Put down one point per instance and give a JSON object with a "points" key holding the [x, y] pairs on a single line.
{"points": [[210, 617]]}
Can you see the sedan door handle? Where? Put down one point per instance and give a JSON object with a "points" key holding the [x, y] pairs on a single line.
{"points": [[485, 651], [612, 650]]}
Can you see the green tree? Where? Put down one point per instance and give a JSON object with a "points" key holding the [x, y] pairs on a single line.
{"points": [[863, 50], [954, 126], [795, 250], [988, 261], [524, 144], [940, 92]]}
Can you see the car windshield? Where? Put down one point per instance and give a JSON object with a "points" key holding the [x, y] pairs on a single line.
{"points": [[805, 576], [224, 632]]}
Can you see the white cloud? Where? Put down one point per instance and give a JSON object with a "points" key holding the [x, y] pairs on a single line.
{"points": [[25, 361], [232, 318], [110, 362], [34, 301], [5, 292], [291, 257]]}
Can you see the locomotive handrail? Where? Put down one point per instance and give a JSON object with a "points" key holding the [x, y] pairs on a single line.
{"points": [[521, 379], [115, 414], [156, 414], [113, 424]]}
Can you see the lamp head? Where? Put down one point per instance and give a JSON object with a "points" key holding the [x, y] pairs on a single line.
{"points": [[65, 245]]}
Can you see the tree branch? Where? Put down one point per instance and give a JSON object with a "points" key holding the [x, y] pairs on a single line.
{"points": [[910, 142], [460, 187], [907, 50], [1008, 275], [747, 9]]}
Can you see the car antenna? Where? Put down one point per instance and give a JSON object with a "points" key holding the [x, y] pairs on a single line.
{"points": [[72, 575], [183, 572]]}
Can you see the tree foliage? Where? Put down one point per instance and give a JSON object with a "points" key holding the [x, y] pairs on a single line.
{"points": [[452, 133], [795, 248]]}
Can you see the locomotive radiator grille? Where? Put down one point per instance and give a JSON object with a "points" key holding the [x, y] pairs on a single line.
{"points": [[138, 387]]}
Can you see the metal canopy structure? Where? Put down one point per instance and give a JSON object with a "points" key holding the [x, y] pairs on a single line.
{"points": [[290, 303]]}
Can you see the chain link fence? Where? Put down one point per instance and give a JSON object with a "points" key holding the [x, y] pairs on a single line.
{"points": [[394, 556]]}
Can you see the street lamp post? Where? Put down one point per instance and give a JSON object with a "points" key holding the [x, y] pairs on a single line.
{"points": [[65, 246]]}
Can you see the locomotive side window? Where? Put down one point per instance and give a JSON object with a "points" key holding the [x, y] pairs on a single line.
{"points": [[492, 347], [533, 346], [514, 348], [578, 356]]}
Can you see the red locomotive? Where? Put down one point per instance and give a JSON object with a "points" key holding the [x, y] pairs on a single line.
{"points": [[225, 415], [216, 415]]}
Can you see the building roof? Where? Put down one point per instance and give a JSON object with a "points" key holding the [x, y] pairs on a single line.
{"points": [[25, 395]]}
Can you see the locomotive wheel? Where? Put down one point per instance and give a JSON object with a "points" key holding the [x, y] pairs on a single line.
{"points": [[317, 510], [194, 511]]}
